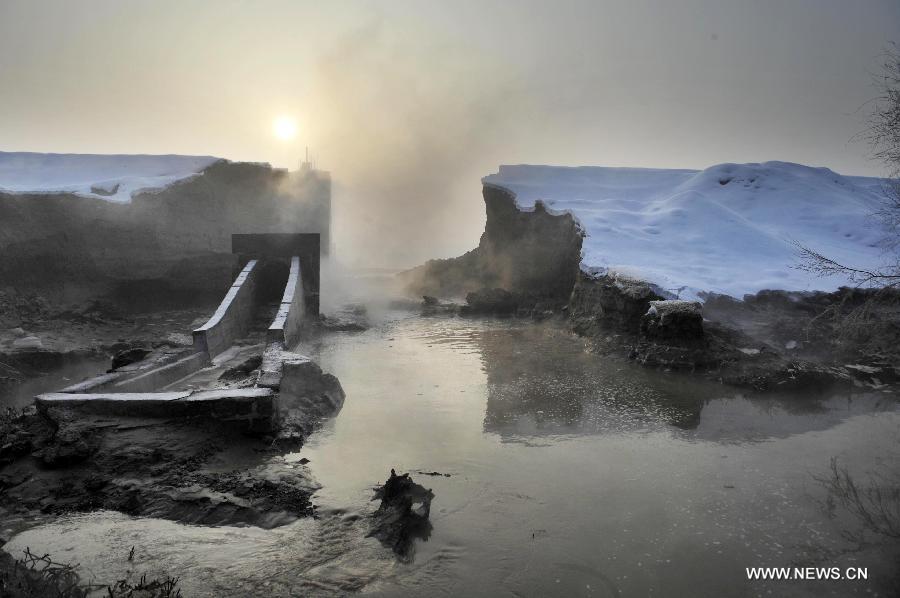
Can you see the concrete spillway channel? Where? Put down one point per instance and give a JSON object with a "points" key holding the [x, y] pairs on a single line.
{"points": [[185, 381]]}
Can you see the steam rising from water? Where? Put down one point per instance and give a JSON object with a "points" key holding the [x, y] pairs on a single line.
{"points": [[410, 129]]}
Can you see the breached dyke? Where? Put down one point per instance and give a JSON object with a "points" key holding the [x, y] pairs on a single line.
{"points": [[533, 254]]}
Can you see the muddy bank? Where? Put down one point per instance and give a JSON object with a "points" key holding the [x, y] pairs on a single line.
{"points": [[769, 341], [198, 472], [191, 469]]}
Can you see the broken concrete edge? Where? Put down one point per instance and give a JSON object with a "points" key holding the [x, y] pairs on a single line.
{"points": [[162, 397], [254, 407], [272, 365], [230, 318], [276, 359], [289, 317]]}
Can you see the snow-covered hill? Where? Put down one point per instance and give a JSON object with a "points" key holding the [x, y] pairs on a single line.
{"points": [[726, 229], [111, 177]]}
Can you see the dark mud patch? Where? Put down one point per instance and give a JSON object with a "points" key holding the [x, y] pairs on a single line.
{"points": [[189, 471]]}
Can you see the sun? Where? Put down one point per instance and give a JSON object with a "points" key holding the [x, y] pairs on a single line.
{"points": [[284, 127]]}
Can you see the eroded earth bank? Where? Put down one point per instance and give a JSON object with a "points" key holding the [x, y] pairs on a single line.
{"points": [[528, 263]]}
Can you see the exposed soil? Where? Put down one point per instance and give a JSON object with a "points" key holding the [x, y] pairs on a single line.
{"points": [[190, 471]]}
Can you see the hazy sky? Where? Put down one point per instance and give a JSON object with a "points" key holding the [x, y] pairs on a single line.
{"points": [[409, 103]]}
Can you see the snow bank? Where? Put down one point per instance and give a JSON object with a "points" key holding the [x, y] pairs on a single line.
{"points": [[726, 229], [111, 177]]}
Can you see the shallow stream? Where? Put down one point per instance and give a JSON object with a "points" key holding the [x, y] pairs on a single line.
{"points": [[567, 474]]}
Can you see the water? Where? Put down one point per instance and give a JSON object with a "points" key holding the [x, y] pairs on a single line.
{"points": [[570, 475], [74, 370]]}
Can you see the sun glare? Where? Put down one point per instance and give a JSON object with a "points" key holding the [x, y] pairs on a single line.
{"points": [[284, 127]]}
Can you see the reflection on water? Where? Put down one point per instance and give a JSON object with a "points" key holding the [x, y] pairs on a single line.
{"points": [[540, 380], [570, 475]]}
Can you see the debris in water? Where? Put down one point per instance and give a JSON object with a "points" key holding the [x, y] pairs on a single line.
{"points": [[403, 514]]}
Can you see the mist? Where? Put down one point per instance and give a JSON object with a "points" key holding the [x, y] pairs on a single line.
{"points": [[411, 126], [409, 104]]}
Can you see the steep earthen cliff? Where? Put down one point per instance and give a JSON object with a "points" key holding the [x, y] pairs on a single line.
{"points": [[531, 253]]}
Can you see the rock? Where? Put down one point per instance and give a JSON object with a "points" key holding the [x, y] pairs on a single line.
{"points": [[402, 516], [673, 322], [428, 300], [438, 308], [105, 190], [66, 448], [610, 302], [28, 342], [16, 442], [491, 301], [342, 324], [129, 356], [308, 394], [242, 370]]}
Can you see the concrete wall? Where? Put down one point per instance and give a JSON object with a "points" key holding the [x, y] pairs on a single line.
{"points": [[285, 327], [233, 316]]}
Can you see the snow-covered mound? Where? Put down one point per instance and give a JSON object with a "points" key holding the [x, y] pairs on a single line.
{"points": [[111, 177], [727, 229]]}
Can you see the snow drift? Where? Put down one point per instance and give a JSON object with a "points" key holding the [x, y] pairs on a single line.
{"points": [[111, 177], [728, 229]]}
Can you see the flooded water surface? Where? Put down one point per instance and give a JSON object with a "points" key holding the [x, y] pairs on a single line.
{"points": [[556, 472]]}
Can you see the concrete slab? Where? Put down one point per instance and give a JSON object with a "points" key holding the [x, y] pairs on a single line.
{"points": [[252, 408], [71, 397], [155, 378]]}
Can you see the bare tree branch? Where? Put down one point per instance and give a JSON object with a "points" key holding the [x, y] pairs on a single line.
{"points": [[815, 262], [883, 137]]}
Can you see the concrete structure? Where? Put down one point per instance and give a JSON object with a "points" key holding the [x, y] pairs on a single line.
{"points": [[305, 246], [144, 388], [286, 326], [232, 319]]}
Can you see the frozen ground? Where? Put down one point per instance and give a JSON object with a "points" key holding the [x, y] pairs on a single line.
{"points": [[111, 177], [726, 229]]}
